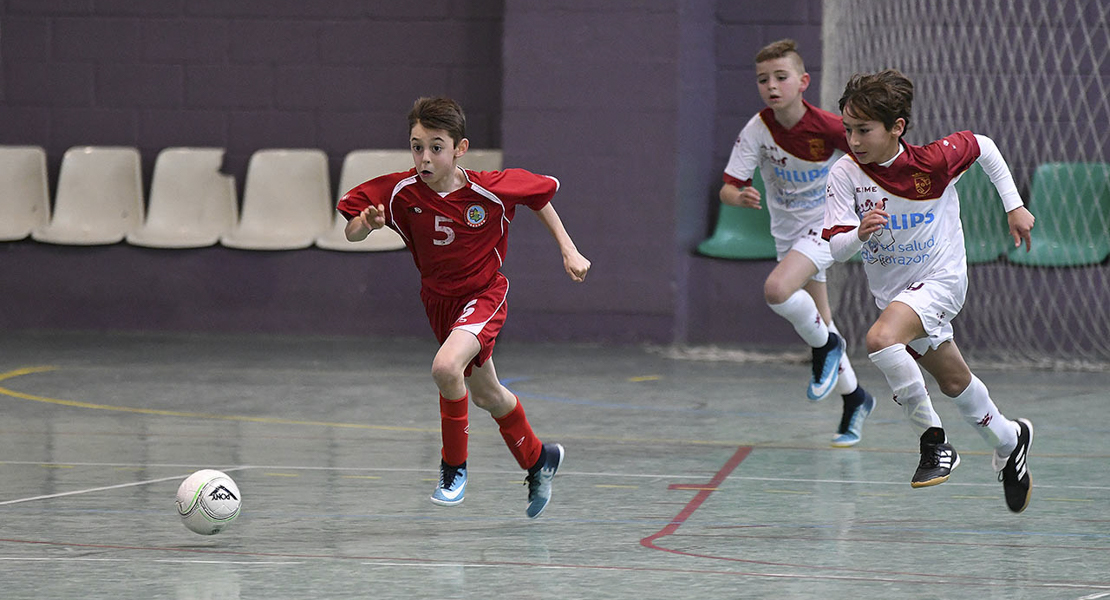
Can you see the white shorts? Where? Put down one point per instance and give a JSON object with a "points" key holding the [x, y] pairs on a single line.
{"points": [[812, 247], [936, 304]]}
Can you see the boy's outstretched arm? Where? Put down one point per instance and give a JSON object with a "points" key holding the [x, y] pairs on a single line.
{"points": [[575, 264], [371, 218]]}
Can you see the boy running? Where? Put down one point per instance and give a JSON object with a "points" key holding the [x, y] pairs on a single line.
{"points": [[455, 223], [793, 143], [898, 204]]}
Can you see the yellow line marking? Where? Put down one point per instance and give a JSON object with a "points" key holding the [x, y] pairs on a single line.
{"points": [[177, 413], [1068, 499], [788, 492], [694, 487], [283, 474], [645, 378], [360, 477], [623, 487], [57, 466], [966, 497]]}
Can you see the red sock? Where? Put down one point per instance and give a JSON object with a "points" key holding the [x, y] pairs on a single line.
{"points": [[519, 437], [454, 426]]}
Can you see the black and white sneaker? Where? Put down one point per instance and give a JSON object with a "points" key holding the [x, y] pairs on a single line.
{"points": [[1014, 476], [938, 459]]}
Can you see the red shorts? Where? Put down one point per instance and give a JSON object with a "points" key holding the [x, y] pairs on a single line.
{"points": [[482, 313]]}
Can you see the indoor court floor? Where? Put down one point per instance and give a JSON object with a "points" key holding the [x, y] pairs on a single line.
{"points": [[683, 478]]}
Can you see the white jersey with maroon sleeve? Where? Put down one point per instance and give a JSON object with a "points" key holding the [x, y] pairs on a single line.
{"points": [[923, 239], [457, 241], [793, 163]]}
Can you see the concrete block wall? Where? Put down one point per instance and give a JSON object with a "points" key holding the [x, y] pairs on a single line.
{"points": [[331, 74]]}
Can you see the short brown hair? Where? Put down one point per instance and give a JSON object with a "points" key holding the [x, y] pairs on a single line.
{"points": [[439, 113], [780, 49], [885, 96]]}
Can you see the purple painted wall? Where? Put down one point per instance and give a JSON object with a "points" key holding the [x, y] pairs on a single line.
{"points": [[633, 105]]}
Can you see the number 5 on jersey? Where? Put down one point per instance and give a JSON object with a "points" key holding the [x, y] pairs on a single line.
{"points": [[441, 227]]}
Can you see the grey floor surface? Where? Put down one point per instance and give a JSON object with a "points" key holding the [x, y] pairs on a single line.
{"points": [[683, 479]]}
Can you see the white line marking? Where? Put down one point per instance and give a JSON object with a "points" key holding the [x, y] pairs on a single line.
{"points": [[103, 488]]}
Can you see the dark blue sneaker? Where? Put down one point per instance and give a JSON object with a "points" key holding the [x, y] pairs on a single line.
{"points": [[826, 368], [539, 481], [452, 485]]}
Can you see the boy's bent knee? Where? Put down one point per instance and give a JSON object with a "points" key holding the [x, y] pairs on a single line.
{"points": [[879, 337], [774, 292], [446, 373]]}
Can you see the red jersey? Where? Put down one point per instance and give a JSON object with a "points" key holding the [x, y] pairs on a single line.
{"points": [[457, 241]]}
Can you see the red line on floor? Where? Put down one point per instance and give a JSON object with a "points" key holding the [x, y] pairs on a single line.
{"points": [[703, 494]]}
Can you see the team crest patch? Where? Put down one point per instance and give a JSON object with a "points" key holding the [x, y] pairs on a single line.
{"points": [[476, 215], [816, 147], [922, 183]]}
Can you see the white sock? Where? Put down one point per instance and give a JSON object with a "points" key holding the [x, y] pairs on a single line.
{"points": [[801, 311], [905, 378], [846, 382], [981, 413]]}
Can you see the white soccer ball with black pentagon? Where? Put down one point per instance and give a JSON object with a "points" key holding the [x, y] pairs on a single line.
{"points": [[208, 501]]}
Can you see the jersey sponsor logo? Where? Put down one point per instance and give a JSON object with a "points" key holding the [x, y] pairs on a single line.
{"points": [[796, 176], [476, 215]]}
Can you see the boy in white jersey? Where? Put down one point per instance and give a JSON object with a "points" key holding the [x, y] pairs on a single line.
{"points": [[898, 204], [793, 143]]}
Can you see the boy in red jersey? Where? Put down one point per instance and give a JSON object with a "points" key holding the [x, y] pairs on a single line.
{"points": [[897, 204], [455, 223], [793, 143]]}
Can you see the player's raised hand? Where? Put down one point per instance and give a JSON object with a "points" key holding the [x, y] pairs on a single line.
{"points": [[1021, 223], [873, 221], [576, 266], [373, 217]]}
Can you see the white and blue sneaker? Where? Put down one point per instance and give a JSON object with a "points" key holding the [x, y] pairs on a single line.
{"points": [[539, 480], [826, 368], [851, 423], [452, 485]]}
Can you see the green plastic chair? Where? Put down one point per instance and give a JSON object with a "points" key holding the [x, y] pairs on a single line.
{"points": [[742, 233], [986, 231], [1072, 204]]}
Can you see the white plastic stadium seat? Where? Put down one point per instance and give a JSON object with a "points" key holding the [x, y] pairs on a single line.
{"points": [[191, 202], [481, 160], [360, 166], [99, 199], [24, 197], [286, 201]]}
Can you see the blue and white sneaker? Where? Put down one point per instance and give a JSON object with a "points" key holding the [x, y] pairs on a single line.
{"points": [[539, 481], [826, 368], [452, 485], [851, 423]]}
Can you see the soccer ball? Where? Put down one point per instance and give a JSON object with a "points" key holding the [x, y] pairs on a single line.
{"points": [[208, 501]]}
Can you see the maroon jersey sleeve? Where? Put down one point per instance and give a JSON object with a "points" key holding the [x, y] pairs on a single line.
{"points": [[956, 152]]}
